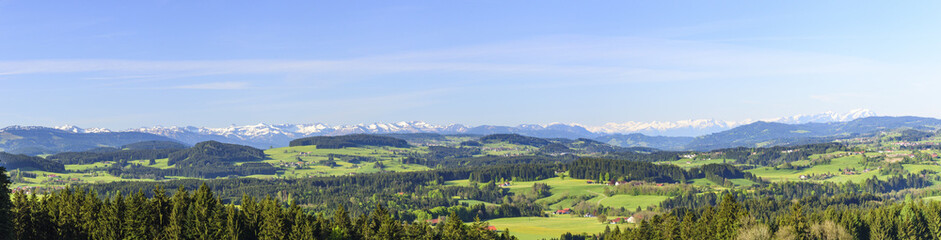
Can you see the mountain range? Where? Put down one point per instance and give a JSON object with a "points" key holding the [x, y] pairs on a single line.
{"points": [[266, 135], [717, 134]]}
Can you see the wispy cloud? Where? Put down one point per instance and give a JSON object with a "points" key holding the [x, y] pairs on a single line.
{"points": [[589, 59], [841, 96], [216, 86]]}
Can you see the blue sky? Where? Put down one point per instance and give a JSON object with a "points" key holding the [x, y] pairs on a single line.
{"points": [[122, 64]]}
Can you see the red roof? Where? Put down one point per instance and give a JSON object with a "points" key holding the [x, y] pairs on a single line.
{"points": [[491, 228]]}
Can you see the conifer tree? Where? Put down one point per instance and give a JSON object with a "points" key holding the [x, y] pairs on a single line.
{"points": [[160, 209], [90, 209], [912, 225], [203, 206], [302, 227], [22, 220], [251, 211], [271, 225], [342, 225], [727, 218], [178, 224], [670, 229], [137, 217], [687, 227], [6, 215]]}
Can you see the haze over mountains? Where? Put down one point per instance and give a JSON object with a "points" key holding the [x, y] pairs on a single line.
{"points": [[677, 135], [279, 134]]}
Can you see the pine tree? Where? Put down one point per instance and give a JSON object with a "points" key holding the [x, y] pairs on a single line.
{"points": [[453, 228], [302, 228], [933, 217], [43, 225], [251, 211], [882, 224], [201, 216], [727, 218], [854, 225], [391, 229], [110, 222], [6, 215], [160, 209], [22, 220], [687, 226], [90, 209], [670, 229], [137, 218], [342, 226], [178, 224], [798, 223], [271, 225], [233, 223], [704, 225], [912, 225]]}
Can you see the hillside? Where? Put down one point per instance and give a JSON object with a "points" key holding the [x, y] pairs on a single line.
{"points": [[212, 152], [42, 140], [20, 161], [641, 140], [354, 140], [762, 134]]}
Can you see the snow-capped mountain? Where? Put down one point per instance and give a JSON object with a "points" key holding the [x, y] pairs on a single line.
{"points": [[74, 129], [691, 127], [825, 117], [264, 135], [699, 127]]}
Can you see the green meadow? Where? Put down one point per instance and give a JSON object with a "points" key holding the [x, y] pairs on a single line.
{"points": [[532, 228]]}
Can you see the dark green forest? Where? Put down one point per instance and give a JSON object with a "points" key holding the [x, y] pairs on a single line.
{"points": [[353, 140], [81, 214]]}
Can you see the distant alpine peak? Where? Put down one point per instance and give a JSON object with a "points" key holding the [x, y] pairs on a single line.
{"points": [[697, 127], [268, 132], [825, 117], [75, 129]]}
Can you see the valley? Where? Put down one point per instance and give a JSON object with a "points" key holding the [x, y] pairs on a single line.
{"points": [[535, 188]]}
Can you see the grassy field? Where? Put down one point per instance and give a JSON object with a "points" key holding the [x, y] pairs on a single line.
{"points": [[390, 157], [531, 228], [630, 202], [507, 149], [691, 163], [310, 156], [769, 173], [562, 190]]}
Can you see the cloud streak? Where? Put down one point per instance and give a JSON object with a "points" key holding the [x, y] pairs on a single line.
{"points": [[601, 60], [216, 86]]}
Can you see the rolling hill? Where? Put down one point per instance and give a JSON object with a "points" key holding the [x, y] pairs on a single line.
{"points": [[42, 140]]}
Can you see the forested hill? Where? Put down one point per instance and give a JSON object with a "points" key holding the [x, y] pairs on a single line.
{"points": [[515, 139], [41, 140], [20, 161], [212, 152], [641, 140], [154, 145], [354, 140], [774, 134]]}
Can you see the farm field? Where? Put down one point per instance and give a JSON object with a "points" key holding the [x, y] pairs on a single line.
{"points": [[691, 163], [303, 161], [771, 174], [563, 192], [533, 228]]}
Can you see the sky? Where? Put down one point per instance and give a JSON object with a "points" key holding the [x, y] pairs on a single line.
{"points": [[124, 64]]}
